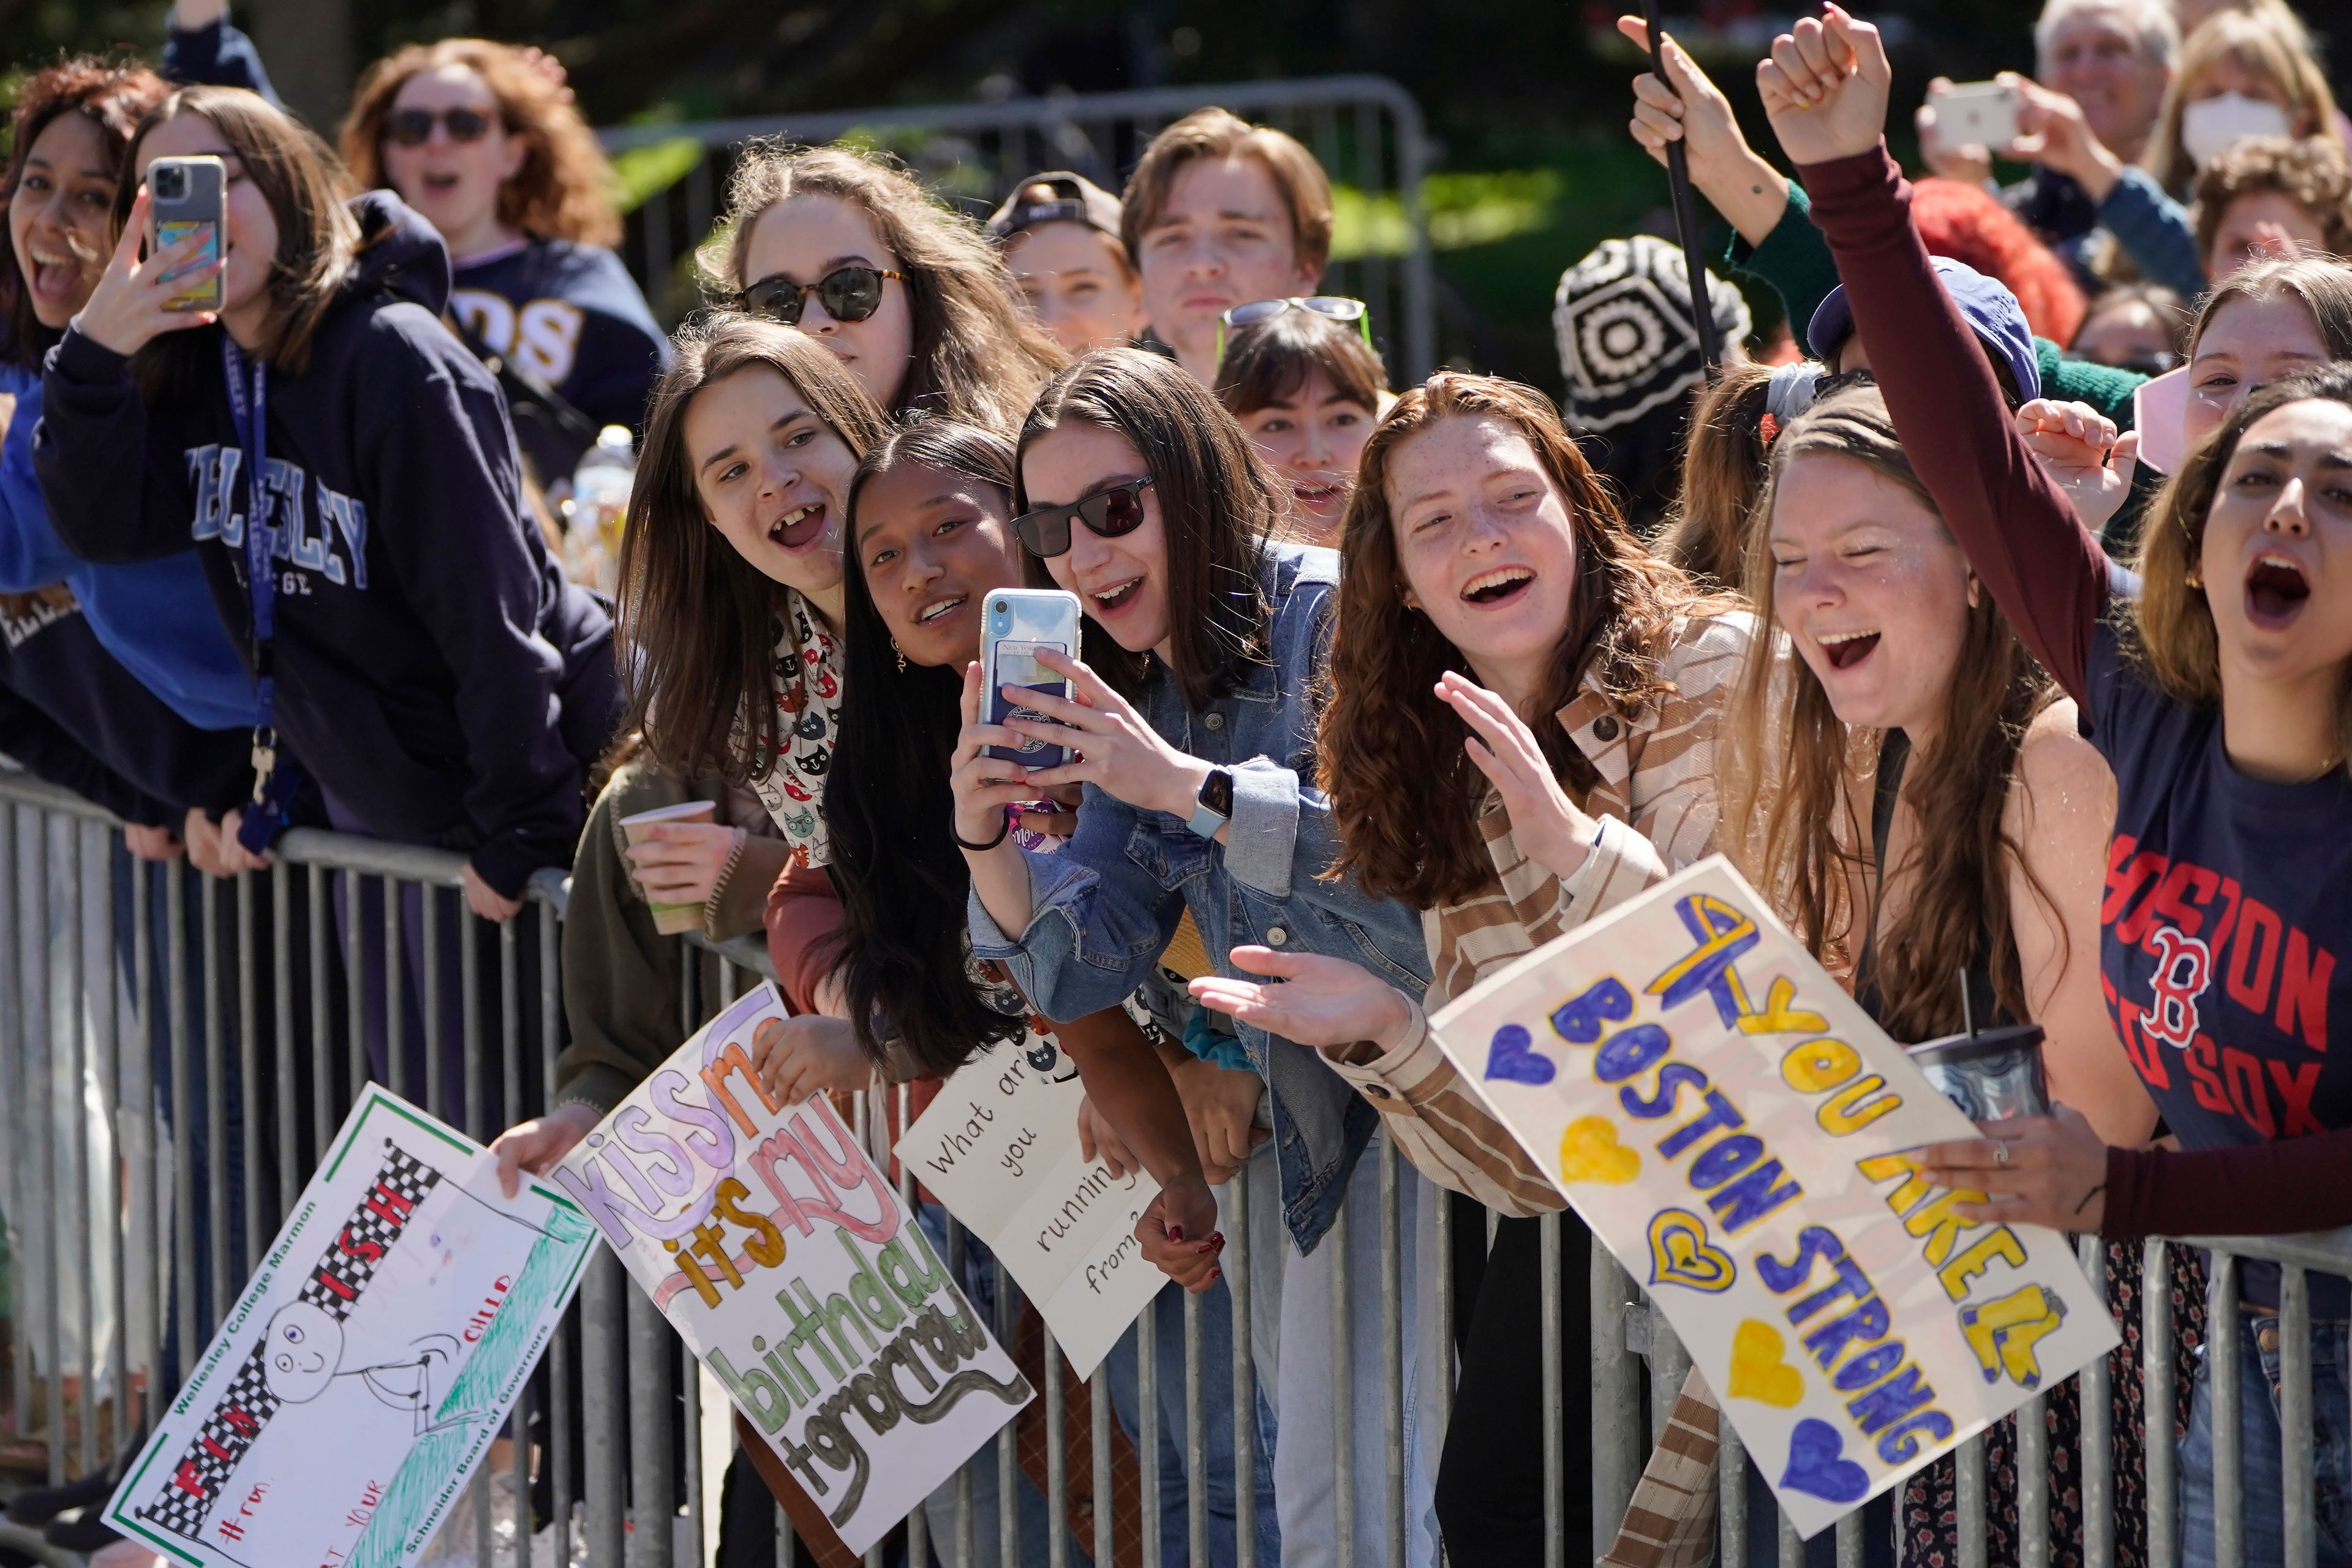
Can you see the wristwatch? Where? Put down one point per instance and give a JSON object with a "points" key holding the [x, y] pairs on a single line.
{"points": [[1214, 807]]}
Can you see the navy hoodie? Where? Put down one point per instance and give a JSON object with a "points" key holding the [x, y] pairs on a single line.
{"points": [[74, 715], [436, 673], [572, 316]]}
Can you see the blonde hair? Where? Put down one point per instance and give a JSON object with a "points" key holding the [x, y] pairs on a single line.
{"points": [[2270, 42], [563, 189], [978, 355], [1723, 474]]}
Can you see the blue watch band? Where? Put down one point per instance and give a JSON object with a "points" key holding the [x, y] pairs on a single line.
{"points": [[1206, 821]]}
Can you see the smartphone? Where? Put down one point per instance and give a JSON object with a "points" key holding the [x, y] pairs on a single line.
{"points": [[1017, 626], [184, 197], [1980, 113]]}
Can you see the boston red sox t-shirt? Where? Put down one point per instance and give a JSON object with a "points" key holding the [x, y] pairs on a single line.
{"points": [[2221, 983]]}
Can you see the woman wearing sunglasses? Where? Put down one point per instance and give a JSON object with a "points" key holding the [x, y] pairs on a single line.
{"points": [[1145, 499], [909, 296], [483, 140]]}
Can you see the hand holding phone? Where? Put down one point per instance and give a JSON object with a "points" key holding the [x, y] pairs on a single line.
{"points": [[1974, 113], [131, 305]]}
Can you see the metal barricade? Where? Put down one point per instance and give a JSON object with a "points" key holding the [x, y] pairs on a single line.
{"points": [[1367, 130], [181, 1048]]}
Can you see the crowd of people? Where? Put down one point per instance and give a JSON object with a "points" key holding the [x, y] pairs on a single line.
{"points": [[1985, 617]]}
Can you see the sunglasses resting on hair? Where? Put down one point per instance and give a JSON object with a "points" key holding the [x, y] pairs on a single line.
{"points": [[1110, 512], [1330, 307], [847, 293]]}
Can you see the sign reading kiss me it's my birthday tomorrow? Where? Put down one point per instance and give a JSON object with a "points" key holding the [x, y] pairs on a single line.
{"points": [[1742, 1138]]}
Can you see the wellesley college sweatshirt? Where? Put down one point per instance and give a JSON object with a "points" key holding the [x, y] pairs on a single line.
{"points": [[436, 673]]}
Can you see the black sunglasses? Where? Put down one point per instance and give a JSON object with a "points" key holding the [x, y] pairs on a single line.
{"points": [[847, 294], [1110, 512], [414, 127]]}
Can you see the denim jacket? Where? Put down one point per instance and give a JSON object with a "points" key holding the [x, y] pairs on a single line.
{"points": [[1105, 907]]}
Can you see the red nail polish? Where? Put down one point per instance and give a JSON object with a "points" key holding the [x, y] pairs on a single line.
{"points": [[1175, 1233]]}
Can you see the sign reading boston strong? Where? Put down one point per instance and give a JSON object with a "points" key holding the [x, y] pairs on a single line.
{"points": [[1741, 1136]]}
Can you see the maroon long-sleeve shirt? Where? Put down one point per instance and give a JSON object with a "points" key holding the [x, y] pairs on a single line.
{"points": [[2228, 898]]}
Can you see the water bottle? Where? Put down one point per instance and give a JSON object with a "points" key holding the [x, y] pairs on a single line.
{"points": [[599, 501]]}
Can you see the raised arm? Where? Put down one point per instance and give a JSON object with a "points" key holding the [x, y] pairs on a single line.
{"points": [[1825, 88]]}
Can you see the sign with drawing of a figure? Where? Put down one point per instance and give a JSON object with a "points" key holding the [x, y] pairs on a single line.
{"points": [[1741, 1136], [787, 1262], [1000, 1147], [369, 1364]]}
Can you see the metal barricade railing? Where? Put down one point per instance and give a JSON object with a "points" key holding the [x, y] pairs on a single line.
{"points": [[1367, 130], [179, 1049]]}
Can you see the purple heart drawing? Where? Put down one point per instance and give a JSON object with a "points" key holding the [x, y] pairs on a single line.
{"points": [[1580, 1020], [1816, 1464], [1509, 1058]]}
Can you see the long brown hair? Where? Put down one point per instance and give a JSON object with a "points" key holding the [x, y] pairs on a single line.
{"points": [[2325, 287], [112, 98], [977, 356], [2172, 634], [1405, 793], [318, 237], [698, 622], [563, 189], [1723, 473], [1217, 506], [1793, 771]]}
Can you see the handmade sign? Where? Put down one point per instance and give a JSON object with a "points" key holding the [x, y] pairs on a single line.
{"points": [[1740, 1135], [784, 1260], [1000, 1147], [350, 1394]]}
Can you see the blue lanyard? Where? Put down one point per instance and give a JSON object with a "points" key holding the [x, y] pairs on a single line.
{"points": [[250, 412]]}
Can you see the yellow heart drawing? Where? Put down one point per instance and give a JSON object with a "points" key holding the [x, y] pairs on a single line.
{"points": [[1589, 1152], [1775, 1018], [1757, 1372], [1680, 1255]]}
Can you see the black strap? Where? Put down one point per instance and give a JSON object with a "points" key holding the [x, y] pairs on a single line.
{"points": [[524, 390], [1894, 755]]}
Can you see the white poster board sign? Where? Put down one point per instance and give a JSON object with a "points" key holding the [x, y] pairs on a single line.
{"points": [[359, 1380], [783, 1256], [1738, 1132], [1000, 1147]]}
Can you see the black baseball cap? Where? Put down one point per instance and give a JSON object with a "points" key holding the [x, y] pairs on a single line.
{"points": [[1059, 196]]}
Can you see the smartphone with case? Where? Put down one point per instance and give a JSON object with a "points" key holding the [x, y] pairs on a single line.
{"points": [[184, 197], [1981, 112], [1016, 625]]}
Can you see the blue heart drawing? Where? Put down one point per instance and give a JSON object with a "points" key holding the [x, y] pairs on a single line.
{"points": [[1816, 1465], [1580, 1020], [1508, 1058]]}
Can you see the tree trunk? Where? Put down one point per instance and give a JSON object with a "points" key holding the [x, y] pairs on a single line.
{"points": [[307, 44]]}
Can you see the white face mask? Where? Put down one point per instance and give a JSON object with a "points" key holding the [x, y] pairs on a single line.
{"points": [[2211, 126]]}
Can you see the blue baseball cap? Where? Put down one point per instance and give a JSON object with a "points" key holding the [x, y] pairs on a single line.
{"points": [[1992, 310]]}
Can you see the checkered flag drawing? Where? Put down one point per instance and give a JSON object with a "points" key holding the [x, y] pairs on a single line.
{"points": [[186, 1498]]}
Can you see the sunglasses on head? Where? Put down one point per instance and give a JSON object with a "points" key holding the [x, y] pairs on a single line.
{"points": [[847, 294], [1331, 307], [1110, 512], [414, 127]]}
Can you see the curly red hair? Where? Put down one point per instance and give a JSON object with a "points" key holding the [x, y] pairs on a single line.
{"points": [[1968, 223]]}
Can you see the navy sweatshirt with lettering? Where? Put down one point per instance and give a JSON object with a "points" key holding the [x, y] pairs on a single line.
{"points": [[436, 673]]}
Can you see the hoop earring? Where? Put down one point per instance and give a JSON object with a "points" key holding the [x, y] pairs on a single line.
{"points": [[901, 653]]}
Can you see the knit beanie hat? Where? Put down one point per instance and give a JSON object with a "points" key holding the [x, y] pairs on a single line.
{"points": [[1622, 316]]}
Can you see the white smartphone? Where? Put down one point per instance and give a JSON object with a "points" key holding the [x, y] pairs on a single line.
{"points": [[184, 197], [1016, 625], [1980, 113]]}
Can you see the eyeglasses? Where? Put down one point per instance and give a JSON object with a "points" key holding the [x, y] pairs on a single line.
{"points": [[414, 127], [1330, 307], [1113, 510], [847, 294]]}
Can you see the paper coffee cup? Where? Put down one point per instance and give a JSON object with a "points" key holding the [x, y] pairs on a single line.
{"points": [[670, 920]]}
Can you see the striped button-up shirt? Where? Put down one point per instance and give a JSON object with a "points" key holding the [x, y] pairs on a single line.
{"points": [[1658, 804]]}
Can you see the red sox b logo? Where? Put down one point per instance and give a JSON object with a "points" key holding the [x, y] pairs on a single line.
{"points": [[2184, 967]]}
